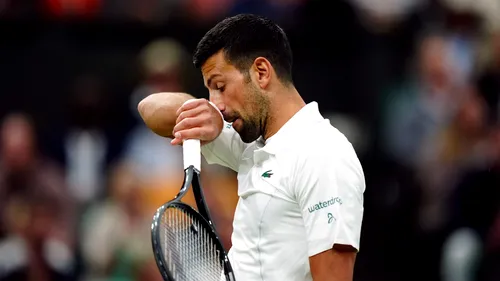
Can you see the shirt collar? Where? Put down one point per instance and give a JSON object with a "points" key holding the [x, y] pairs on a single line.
{"points": [[296, 127]]}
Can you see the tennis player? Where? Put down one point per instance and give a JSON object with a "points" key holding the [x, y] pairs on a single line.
{"points": [[300, 183]]}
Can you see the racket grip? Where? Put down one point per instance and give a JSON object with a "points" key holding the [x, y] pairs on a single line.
{"points": [[192, 153], [191, 150]]}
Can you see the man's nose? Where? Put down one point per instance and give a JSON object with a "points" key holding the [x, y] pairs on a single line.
{"points": [[215, 99]]}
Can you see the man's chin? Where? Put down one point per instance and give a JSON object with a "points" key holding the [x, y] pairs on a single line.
{"points": [[247, 138], [245, 135], [248, 141]]}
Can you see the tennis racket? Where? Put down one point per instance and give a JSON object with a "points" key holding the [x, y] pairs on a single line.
{"points": [[185, 244]]}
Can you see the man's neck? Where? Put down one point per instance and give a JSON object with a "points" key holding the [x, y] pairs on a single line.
{"points": [[284, 105]]}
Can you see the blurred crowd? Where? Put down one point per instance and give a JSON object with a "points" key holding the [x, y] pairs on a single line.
{"points": [[415, 86]]}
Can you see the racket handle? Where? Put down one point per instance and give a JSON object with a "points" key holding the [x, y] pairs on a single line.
{"points": [[192, 153], [191, 150]]}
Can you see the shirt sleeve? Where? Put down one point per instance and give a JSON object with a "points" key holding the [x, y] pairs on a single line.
{"points": [[329, 187], [226, 149]]}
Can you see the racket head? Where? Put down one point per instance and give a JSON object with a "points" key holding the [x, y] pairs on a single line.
{"points": [[186, 247]]}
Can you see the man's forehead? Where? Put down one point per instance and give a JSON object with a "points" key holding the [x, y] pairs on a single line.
{"points": [[215, 65], [213, 60], [208, 67], [209, 71]]}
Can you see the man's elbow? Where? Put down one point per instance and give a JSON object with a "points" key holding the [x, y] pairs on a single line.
{"points": [[158, 111]]}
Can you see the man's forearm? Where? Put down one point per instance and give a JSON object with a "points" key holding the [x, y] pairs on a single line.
{"points": [[336, 264], [159, 111]]}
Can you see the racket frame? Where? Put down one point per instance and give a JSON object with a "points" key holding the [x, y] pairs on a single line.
{"points": [[191, 178]]}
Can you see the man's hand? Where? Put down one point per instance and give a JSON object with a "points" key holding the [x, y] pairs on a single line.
{"points": [[197, 119]]}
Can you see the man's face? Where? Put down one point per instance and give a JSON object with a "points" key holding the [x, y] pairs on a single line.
{"points": [[237, 96], [17, 143], [433, 57]]}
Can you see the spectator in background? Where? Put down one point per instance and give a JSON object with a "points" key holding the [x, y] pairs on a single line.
{"points": [[35, 209], [459, 147], [418, 108], [472, 242], [86, 143], [162, 67], [415, 112], [157, 163], [116, 242]]}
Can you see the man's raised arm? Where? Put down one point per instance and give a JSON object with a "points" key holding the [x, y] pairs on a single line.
{"points": [[159, 111], [168, 115]]}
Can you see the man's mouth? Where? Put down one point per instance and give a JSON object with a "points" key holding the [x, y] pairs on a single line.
{"points": [[231, 120]]}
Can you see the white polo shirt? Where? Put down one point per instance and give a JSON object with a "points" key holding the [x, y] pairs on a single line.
{"points": [[299, 194]]}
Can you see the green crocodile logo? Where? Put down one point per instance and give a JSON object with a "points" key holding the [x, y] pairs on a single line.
{"points": [[267, 174]]}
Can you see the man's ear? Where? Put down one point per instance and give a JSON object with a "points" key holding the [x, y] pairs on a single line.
{"points": [[262, 70]]}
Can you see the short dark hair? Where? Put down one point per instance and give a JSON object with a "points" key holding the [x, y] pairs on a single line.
{"points": [[245, 37]]}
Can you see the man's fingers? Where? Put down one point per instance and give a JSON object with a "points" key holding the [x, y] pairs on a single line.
{"points": [[198, 133], [195, 120], [176, 141], [189, 113], [187, 123], [190, 104]]}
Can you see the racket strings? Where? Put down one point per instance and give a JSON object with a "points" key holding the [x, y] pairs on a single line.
{"points": [[190, 252]]}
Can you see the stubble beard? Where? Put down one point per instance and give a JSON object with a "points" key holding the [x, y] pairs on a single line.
{"points": [[254, 124]]}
